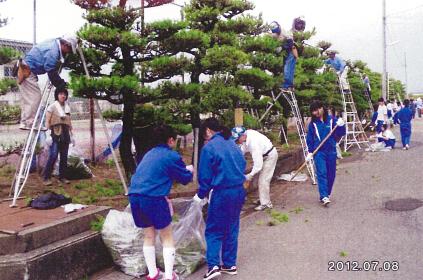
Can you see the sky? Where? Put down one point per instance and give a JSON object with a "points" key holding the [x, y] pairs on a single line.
{"points": [[353, 27]]}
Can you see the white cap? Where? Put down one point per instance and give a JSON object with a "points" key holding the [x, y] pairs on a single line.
{"points": [[72, 40]]}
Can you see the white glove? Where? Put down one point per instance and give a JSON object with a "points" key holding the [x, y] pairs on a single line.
{"points": [[72, 141], [190, 168], [338, 73], [340, 122], [199, 201], [249, 177], [278, 49], [309, 157]]}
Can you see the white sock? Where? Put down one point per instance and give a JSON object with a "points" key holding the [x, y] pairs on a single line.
{"points": [[169, 260], [150, 260]]}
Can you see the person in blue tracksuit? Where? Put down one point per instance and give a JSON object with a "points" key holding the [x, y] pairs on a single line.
{"points": [[221, 169], [325, 159], [403, 118], [151, 210]]}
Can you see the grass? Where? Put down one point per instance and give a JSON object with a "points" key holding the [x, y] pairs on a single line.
{"points": [[89, 193], [297, 210], [260, 223], [343, 254], [175, 218], [277, 217], [97, 224], [7, 171], [346, 154]]}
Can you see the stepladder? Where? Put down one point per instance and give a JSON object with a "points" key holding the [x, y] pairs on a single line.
{"points": [[292, 101], [28, 151], [355, 134]]}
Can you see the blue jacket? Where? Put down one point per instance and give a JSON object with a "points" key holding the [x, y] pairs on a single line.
{"points": [[222, 165], [157, 171], [337, 63], [313, 139], [45, 58], [403, 117]]}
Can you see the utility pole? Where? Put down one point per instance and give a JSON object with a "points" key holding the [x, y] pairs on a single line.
{"points": [[35, 22], [384, 76], [406, 76]]}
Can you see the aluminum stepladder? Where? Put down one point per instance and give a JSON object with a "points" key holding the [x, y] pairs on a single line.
{"points": [[21, 175], [355, 134], [292, 101]]}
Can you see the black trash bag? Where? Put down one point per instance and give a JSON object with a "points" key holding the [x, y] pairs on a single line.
{"points": [[49, 200]]}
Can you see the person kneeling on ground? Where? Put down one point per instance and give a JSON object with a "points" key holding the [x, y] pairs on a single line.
{"points": [[403, 118], [387, 137], [221, 170], [320, 126], [58, 120], [151, 210], [264, 156]]}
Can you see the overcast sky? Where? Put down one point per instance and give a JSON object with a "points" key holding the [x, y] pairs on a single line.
{"points": [[354, 27]]}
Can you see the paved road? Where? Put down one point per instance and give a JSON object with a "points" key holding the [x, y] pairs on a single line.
{"points": [[356, 225]]}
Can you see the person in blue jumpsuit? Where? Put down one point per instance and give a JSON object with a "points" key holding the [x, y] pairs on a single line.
{"points": [[403, 118], [221, 169], [325, 159], [151, 210]]}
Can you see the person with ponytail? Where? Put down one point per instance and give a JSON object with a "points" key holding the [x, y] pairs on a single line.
{"points": [[221, 169], [320, 126]]}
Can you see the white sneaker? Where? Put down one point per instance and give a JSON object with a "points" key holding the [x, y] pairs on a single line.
{"points": [[407, 147], [264, 207], [325, 201]]}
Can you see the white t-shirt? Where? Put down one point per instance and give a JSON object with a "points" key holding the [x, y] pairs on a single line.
{"points": [[382, 113], [389, 134], [257, 144]]}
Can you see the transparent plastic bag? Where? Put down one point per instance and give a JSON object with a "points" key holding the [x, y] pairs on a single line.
{"points": [[124, 241], [188, 233]]}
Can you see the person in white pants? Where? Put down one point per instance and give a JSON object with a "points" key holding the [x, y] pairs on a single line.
{"points": [[341, 68], [264, 156]]}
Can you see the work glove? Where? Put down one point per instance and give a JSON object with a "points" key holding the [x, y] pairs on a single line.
{"points": [[190, 168], [249, 177], [340, 122], [309, 157], [278, 50], [199, 201], [338, 73]]}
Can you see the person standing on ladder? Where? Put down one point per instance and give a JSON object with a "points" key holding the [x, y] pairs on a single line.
{"points": [[59, 121], [340, 67], [264, 156], [325, 159], [42, 58], [288, 44], [366, 83]]}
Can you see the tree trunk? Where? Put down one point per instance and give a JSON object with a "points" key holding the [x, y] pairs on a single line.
{"points": [[125, 147]]}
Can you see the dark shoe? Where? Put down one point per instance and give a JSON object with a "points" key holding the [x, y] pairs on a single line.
{"points": [[212, 273], [231, 271], [64, 181]]}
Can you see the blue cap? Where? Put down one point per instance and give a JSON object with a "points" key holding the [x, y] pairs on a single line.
{"points": [[237, 132], [275, 27]]}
